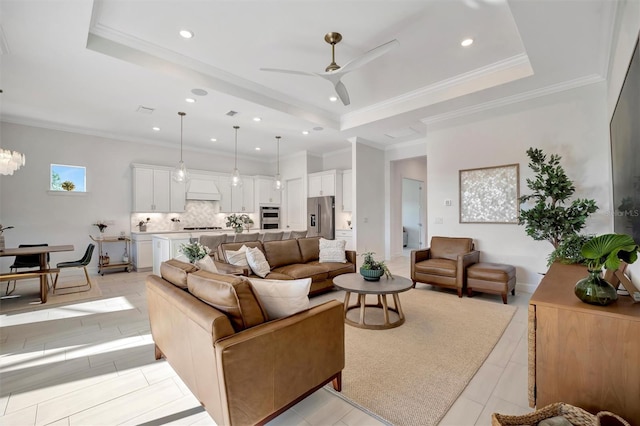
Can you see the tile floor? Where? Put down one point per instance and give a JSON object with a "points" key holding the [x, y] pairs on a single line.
{"points": [[91, 363]]}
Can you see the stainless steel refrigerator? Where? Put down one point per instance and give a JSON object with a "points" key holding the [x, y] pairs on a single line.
{"points": [[321, 217]]}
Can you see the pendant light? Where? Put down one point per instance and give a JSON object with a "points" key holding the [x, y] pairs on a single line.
{"points": [[236, 180], [278, 184], [179, 174]]}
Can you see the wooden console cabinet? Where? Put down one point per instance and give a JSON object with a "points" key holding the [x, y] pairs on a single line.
{"points": [[584, 355]]}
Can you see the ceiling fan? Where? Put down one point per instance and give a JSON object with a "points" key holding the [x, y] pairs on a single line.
{"points": [[334, 72]]}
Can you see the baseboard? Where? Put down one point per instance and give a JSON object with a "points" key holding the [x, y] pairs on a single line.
{"points": [[525, 288]]}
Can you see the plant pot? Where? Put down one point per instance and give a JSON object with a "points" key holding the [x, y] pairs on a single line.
{"points": [[371, 274], [238, 230], [595, 290]]}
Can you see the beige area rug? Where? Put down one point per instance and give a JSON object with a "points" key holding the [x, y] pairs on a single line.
{"points": [[412, 374], [29, 291]]}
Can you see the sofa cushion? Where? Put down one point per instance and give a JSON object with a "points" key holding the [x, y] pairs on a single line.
{"points": [[334, 269], [332, 251], [282, 298], [444, 267], [229, 294], [303, 270], [309, 248], [277, 276], [175, 271], [280, 253], [450, 247], [207, 264], [257, 262]]}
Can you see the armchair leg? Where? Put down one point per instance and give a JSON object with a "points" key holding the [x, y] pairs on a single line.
{"points": [[459, 292], [504, 298], [337, 382], [469, 292], [414, 284], [158, 353]]}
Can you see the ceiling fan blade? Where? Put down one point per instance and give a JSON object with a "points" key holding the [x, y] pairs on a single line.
{"points": [[341, 90], [289, 71], [367, 57]]}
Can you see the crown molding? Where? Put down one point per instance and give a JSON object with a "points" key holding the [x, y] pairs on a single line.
{"points": [[408, 144], [500, 72], [544, 91], [608, 37]]}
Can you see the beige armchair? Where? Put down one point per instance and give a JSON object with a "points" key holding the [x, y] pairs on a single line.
{"points": [[444, 263]]}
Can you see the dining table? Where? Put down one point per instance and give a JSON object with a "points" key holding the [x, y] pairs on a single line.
{"points": [[42, 252]]}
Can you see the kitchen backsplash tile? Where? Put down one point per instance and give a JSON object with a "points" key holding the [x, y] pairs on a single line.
{"points": [[197, 213]]}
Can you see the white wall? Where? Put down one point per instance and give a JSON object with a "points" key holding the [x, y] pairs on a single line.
{"points": [[572, 124], [369, 200], [338, 160], [62, 218]]}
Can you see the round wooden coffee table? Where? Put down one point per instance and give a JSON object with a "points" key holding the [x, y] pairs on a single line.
{"points": [[354, 283]]}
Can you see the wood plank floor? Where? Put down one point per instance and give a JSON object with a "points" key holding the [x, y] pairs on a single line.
{"points": [[92, 363]]}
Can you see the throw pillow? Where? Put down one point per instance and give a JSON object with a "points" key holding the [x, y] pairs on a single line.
{"points": [[332, 251], [257, 262], [206, 263], [231, 295], [281, 298], [237, 257]]}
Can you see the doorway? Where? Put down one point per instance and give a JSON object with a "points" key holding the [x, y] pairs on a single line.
{"points": [[411, 214]]}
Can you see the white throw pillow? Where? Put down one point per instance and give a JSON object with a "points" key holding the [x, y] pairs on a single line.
{"points": [[206, 263], [281, 298], [257, 262], [237, 257], [332, 251]]}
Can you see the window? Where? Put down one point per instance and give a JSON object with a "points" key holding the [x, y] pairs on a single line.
{"points": [[68, 178]]}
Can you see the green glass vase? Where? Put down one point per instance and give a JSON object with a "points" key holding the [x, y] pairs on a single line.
{"points": [[594, 290]]}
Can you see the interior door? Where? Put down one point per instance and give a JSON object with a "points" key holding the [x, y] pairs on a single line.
{"points": [[412, 212], [295, 205]]}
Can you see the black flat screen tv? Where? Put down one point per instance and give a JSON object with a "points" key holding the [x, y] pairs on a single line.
{"points": [[625, 153]]}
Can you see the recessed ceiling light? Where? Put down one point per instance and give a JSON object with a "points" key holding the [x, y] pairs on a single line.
{"points": [[199, 92], [186, 34], [333, 98], [305, 132], [156, 129], [466, 42], [190, 100], [257, 119], [213, 140], [257, 148], [317, 129]]}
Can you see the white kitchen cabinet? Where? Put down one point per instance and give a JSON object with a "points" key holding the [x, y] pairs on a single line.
{"points": [[346, 191], [155, 191], [265, 193], [167, 246], [346, 235], [242, 197], [322, 184], [142, 252], [224, 186]]}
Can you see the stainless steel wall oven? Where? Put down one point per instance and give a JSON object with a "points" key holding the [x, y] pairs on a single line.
{"points": [[269, 217]]}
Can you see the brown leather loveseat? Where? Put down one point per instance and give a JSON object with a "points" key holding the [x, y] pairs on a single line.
{"points": [[444, 263], [244, 368], [295, 259]]}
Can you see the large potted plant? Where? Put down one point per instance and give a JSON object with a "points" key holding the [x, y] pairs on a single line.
{"points": [[607, 251], [549, 219]]}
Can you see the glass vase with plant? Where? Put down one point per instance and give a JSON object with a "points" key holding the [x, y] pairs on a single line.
{"points": [[604, 251], [194, 251], [238, 221], [101, 227]]}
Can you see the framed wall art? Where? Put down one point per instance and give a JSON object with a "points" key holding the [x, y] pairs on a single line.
{"points": [[490, 194]]}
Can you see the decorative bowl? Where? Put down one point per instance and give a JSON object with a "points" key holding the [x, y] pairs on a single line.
{"points": [[371, 274]]}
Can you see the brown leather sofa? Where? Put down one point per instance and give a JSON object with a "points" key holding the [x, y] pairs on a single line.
{"points": [[444, 263], [294, 259], [243, 369]]}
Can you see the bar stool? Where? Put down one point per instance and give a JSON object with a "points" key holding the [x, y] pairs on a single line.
{"points": [[272, 236]]}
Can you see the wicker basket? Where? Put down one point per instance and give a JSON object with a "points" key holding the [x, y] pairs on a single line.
{"points": [[577, 417]]}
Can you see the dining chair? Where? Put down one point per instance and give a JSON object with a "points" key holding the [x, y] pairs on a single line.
{"points": [[25, 261], [272, 236], [82, 263], [241, 238], [297, 234], [212, 242]]}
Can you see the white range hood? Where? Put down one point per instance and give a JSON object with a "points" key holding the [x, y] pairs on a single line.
{"points": [[202, 188]]}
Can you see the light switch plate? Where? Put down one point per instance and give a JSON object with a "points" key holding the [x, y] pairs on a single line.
{"points": [[447, 202]]}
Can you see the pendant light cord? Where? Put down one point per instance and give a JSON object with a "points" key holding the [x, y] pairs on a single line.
{"points": [[278, 155], [181, 114], [235, 164]]}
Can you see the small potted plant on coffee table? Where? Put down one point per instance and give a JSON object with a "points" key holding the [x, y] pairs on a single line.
{"points": [[371, 269]]}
